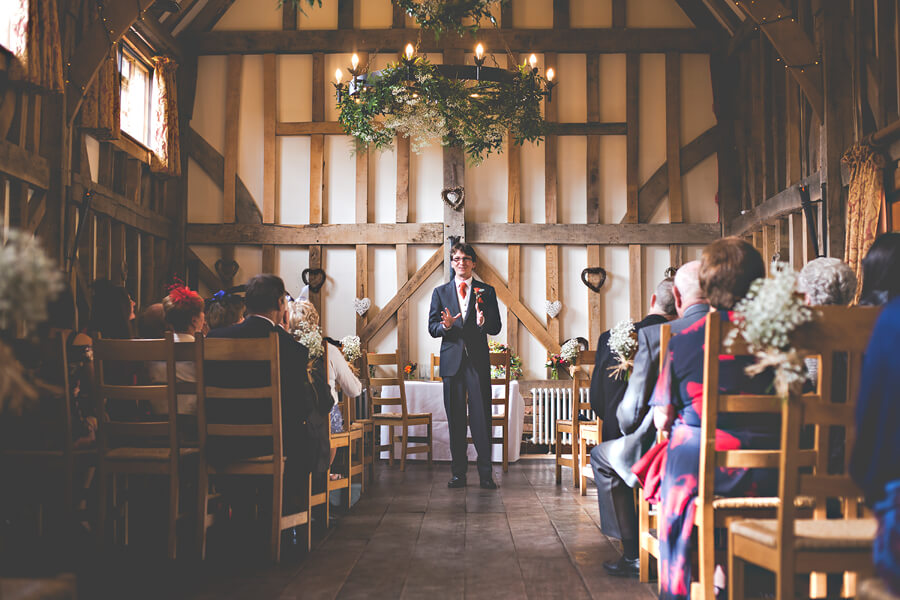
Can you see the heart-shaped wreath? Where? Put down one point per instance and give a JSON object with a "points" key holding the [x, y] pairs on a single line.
{"points": [[591, 271], [226, 269], [314, 278], [454, 197]]}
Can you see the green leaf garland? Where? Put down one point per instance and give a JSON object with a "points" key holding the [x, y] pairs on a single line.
{"points": [[448, 15]]}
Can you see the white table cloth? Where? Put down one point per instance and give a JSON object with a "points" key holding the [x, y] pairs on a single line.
{"points": [[428, 396]]}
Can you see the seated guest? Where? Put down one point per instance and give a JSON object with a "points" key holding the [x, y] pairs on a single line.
{"points": [[303, 426], [151, 323], [611, 460], [112, 311], [881, 271], [827, 281], [874, 465], [339, 372], [183, 310], [224, 309], [727, 268]]}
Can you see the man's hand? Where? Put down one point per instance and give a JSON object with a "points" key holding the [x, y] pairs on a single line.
{"points": [[447, 319], [479, 315]]}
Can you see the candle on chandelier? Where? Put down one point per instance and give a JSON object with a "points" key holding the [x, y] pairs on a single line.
{"points": [[354, 61], [410, 51], [532, 60], [550, 74], [479, 51], [338, 76]]}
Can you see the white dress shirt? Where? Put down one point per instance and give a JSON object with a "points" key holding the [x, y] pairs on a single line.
{"points": [[463, 299]]}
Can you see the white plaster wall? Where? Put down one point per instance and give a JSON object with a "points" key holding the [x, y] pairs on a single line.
{"points": [[487, 188], [574, 319], [293, 77], [382, 187], [421, 344], [534, 294], [289, 263], [613, 185], [250, 130], [590, 13], [208, 118], [533, 189], [656, 261], [382, 287], [571, 169], [652, 115], [373, 14], [338, 317], [615, 291], [655, 13], [92, 145], [251, 15], [570, 95], [315, 17], [206, 204], [532, 14], [292, 188], [340, 180]]}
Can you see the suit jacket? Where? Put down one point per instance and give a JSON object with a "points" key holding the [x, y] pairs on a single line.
{"points": [[296, 407], [606, 392], [634, 415], [465, 337]]}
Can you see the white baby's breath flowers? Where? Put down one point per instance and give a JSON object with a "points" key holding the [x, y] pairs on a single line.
{"points": [[28, 281], [311, 337], [623, 343], [766, 317], [569, 351], [350, 346]]}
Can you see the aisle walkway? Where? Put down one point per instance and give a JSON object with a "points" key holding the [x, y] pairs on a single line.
{"points": [[411, 537]]}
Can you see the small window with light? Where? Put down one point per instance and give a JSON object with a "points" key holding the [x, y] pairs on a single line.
{"points": [[137, 80]]}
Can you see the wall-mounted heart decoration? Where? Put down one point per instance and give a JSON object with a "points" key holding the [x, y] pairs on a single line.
{"points": [[314, 278], [361, 305], [226, 269], [454, 197], [594, 278], [553, 308]]}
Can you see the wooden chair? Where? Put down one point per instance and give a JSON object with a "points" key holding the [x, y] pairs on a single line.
{"points": [[501, 360], [789, 545], [434, 367], [271, 465], [589, 432], [64, 460], [403, 419], [648, 523], [567, 426], [348, 438], [126, 446]]}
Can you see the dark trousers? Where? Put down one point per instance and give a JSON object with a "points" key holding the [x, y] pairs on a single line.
{"points": [[467, 382], [618, 515]]}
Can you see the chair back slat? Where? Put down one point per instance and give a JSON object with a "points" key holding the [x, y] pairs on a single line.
{"points": [[581, 380], [749, 403], [141, 429], [224, 349], [501, 360], [759, 459], [134, 392], [230, 430], [239, 393], [386, 359]]}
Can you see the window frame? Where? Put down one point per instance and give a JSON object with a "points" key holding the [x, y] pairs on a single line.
{"points": [[137, 57]]}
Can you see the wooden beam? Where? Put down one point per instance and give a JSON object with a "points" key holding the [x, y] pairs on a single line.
{"points": [[345, 14], [551, 202], [531, 323], [701, 17], [306, 235], [18, 163], [288, 16], [635, 282], [783, 203], [335, 128], [604, 235], [593, 187], [232, 129], [159, 39], [561, 14], [213, 164], [270, 96], [402, 210], [403, 294], [362, 287], [655, 189], [604, 41], [619, 14], [402, 252], [117, 207], [206, 275], [269, 259], [206, 19], [730, 21], [673, 135], [632, 153], [592, 127]]}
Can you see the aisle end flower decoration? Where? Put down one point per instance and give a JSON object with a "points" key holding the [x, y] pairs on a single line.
{"points": [[410, 371], [623, 343], [569, 351], [515, 362], [766, 317], [350, 346], [555, 362], [29, 279]]}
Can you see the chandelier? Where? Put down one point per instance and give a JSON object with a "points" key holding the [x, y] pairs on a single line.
{"points": [[475, 107]]}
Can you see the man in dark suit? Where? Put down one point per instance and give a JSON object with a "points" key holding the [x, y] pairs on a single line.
{"points": [[302, 423], [612, 459], [463, 313]]}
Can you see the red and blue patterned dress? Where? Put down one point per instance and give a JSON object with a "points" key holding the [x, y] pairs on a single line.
{"points": [[681, 385]]}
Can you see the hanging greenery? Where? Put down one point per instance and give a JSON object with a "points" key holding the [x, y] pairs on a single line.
{"points": [[410, 98], [448, 15], [299, 3]]}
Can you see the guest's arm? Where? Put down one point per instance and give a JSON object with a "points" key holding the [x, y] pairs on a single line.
{"points": [[491, 325], [597, 397], [632, 409], [664, 397], [344, 377]]}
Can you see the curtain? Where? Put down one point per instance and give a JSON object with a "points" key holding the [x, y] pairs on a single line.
{"points": [[164, 140], [101, 110], [864, 201], [33, 37]]}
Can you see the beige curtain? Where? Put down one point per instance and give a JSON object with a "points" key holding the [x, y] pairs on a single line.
{"points": [[164, 129], [101, 109], [39, 53], [865, 197]]}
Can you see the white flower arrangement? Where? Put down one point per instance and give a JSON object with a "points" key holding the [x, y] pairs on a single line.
{"points": [[766, 317], [623, 343], [350, 346], [311, 337], [569, 351]]}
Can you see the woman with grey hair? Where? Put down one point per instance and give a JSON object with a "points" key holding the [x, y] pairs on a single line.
{"points": [[827, 281]]}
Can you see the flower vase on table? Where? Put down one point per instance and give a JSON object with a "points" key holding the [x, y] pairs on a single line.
{"points": [[556, 362]]}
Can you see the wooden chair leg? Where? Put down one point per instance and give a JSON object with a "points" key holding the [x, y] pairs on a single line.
{"points": [[558, 440], [309, 515], [174, 483], [582, 455], [707, 557], [403, 451], [429, 435], [101, 504], [349, 470], [643, 528], [391, 442], [576, 438], [735, 573], [202, 507], [505, 447], [277, 485]]}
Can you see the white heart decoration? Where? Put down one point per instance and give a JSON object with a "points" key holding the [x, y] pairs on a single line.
{"points": [[553, 308], [361, 305], [452, 197]]}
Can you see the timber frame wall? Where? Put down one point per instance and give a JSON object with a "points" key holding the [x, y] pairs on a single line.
{"points": [[243, 225]]}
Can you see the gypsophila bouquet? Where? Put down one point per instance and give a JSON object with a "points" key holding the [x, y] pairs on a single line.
{"points": [[350, 346], [569, 351], [623, 344], [766, 317], [28, 281], [311, 337], [515, 362]]}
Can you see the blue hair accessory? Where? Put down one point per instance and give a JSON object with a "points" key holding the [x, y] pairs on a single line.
{"points": [[219, 295]]}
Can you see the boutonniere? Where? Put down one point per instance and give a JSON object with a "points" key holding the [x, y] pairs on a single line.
{"points": [[478, 292]]}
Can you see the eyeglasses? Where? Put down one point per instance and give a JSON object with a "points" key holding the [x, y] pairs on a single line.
{"points": [[459, 259]]}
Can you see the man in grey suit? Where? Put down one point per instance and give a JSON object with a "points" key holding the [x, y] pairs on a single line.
{"points": [[612, 460]]}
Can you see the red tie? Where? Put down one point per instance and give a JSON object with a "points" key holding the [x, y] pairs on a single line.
{"points": [[462, 289]]}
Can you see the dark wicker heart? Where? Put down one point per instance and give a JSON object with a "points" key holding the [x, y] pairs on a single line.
{"points": [[594, 271], [314, 278], [226, 269], [454, 197]]}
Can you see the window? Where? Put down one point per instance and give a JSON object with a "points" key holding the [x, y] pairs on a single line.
{"points": [[137, 79], [13, 23]]}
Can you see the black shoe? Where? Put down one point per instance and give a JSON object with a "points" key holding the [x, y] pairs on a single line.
{"points": [[624, 567], [457, 482], [488, 484]]}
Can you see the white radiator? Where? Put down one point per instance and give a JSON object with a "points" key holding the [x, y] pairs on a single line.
{"points": [[550, 404]]}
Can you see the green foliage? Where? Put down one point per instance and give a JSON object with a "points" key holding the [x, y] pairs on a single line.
{"points": [[413, 100], [448, 15], [298, 4]]}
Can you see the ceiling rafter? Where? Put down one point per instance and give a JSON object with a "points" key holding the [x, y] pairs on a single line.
{"points": [[702, 18]]}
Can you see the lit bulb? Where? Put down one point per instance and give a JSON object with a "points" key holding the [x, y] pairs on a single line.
{"points": [[354, 61], [410, 51], [338, 76], [550, 74], [532, 60], [479, 51]]}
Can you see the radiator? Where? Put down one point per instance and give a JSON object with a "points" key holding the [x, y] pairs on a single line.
{"points": [[550, 404]]}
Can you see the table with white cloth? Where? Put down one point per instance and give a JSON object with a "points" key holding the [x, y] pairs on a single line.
{"points": [[428, 396]]}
